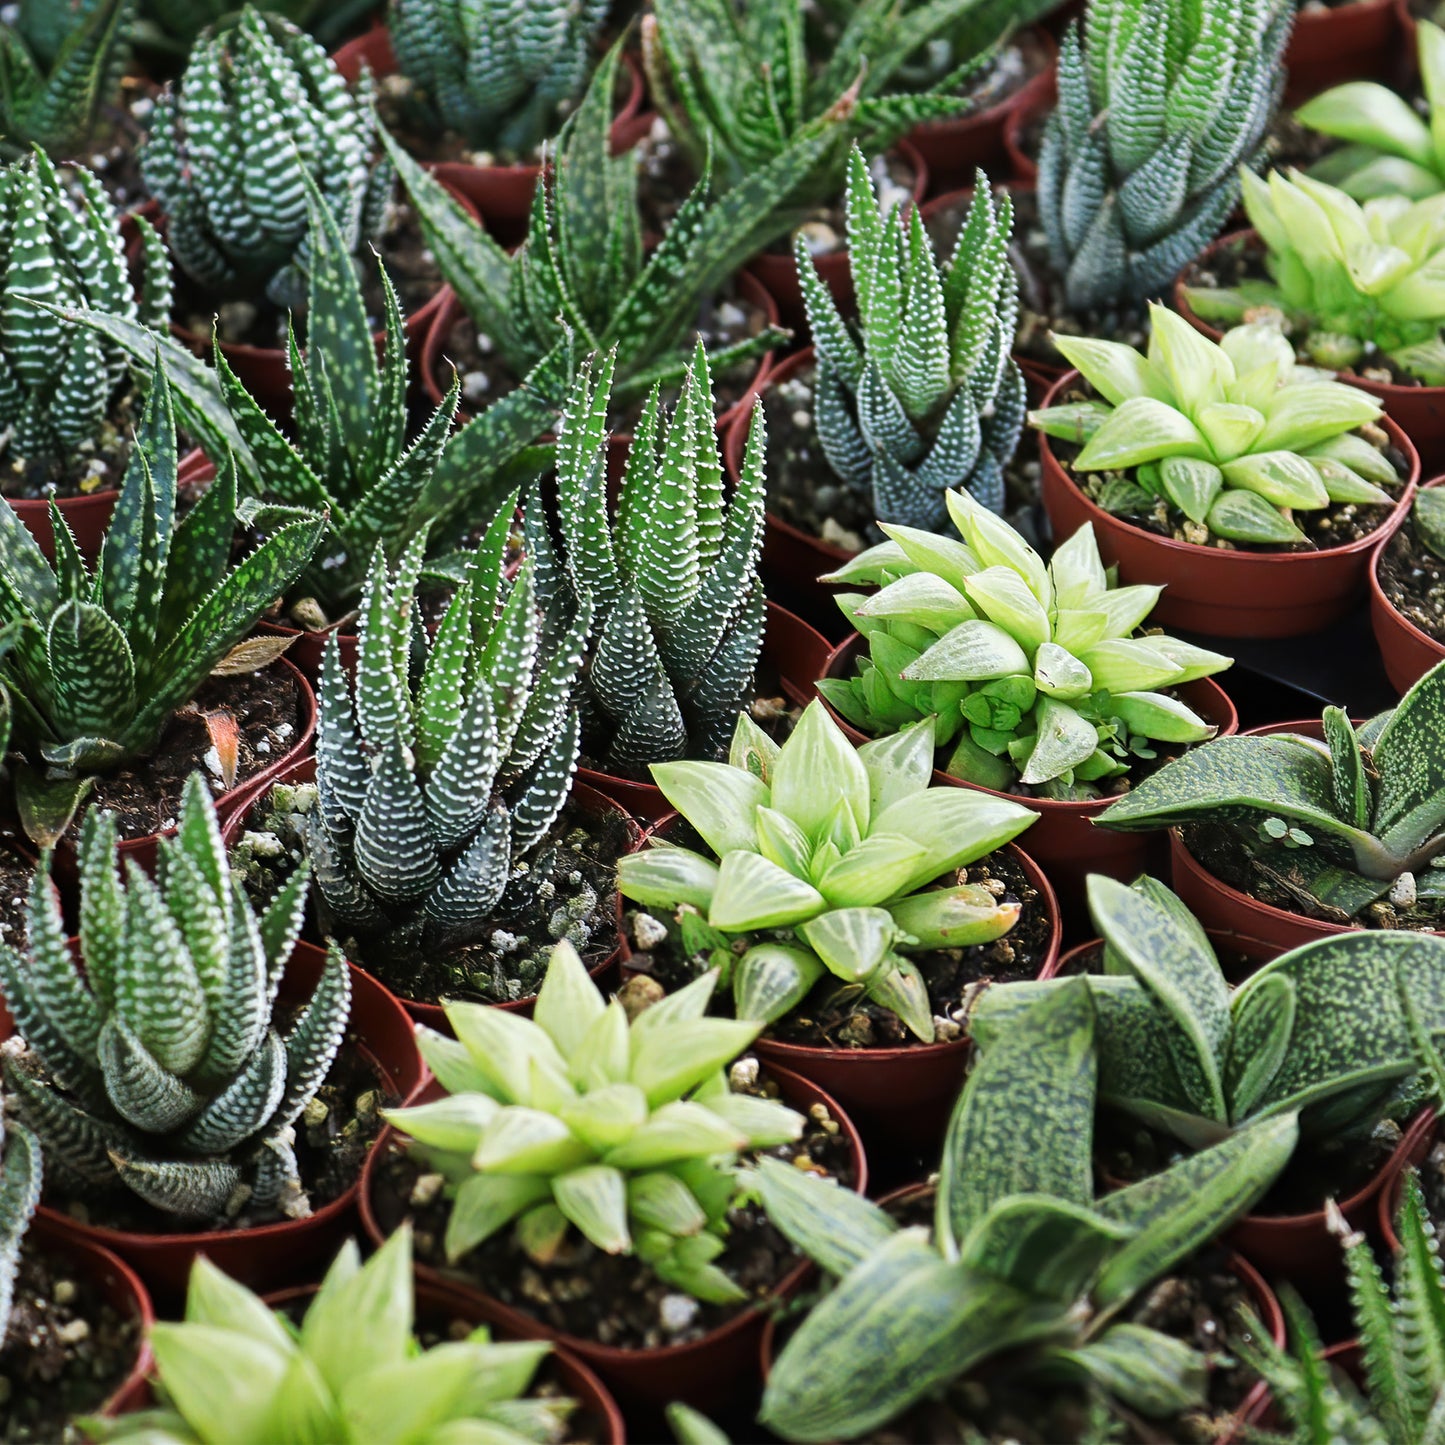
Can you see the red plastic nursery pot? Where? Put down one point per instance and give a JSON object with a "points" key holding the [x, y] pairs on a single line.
{"points": [[1211, 590], [1335, 43], [702, 1373], [1413, 1150], [1023, 170], [1407, 652]]}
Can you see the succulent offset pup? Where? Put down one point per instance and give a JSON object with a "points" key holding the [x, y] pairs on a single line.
{"points": [[824, 857], [626, 1130], [228, 1373], [1032, 674], [1235, 437], [923, 394], [20, 1182], [1348, 821], [163, 1069]]}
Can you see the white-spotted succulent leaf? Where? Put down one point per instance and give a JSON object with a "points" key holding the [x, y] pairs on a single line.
{"points": [[20, 1181], [171, 27]]}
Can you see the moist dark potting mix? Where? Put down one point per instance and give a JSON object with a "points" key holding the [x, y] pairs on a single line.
{"points": [[94, 466], [16, 873], [1413, 578]]}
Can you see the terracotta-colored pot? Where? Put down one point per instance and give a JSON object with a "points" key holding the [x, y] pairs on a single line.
{"points": [[1413, 1151], [1407, 652], [1065, 842], [791, 649], [703, 1373], [271, 1254], [1023, 169], [1336, 43]]}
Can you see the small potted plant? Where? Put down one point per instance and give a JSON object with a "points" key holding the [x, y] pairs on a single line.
{"points": [[1406, 592]]}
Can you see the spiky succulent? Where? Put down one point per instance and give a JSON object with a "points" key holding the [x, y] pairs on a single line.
{"points": [[20, 1181], [922, 395], [259, 107], [447, 764], [1158, 107], [497, 73], [824, 859], [58, 248], [626, 1130], [1235, 436], [1032, 673], [163, 1068], [1356, 284], [171, 26]]}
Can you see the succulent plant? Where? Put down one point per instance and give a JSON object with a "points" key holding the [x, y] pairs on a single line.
{"points": [[260, 107], [922, 395], [497, 73], [20, 1180], [1355, 284], [823, 859], [1159, 105], [1024, 1259], [1349, 820], [171, 26], [1235, 436], [673, 578], [445, 767], [163, 1068], [57, 383], [1032, 673], [626, 1130], [235, 1372], [1427, 517]]}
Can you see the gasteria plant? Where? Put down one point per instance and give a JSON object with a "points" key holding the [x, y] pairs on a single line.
{"points": [[235, 1372], [163, 1068], [673, 578], [498, 74], [923, 394], [1023, 1260], [1032, 673], [1234, 436], [627, 1130], [20, 1180], [1353, 282], [259, 108], [1350, 819], [1159, 105], [824, 859]]}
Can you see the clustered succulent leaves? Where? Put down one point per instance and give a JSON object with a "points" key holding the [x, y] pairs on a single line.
{"points": [[673, 578], [352, 1372], [626, 1130], [824, 854], [1159, 106], [163, 1069], [1032, 673], [495, 72], [260, 108], [1235, 436], [1350, 818], [1024, 1260], [20, 1181], [923, 394]]}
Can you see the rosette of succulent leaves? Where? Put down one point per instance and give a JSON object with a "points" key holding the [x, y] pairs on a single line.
{"points": [[1026, 1276], [351, 1371], [100, 657], [1355, 284], [1235, 437], [1033, 674], [626, 1130], [671, 581], [441, 773], [1345, 823], [1160, 104], [823, 857], [922, 393], [259, 108], [164, 1069], [20, 1181]]}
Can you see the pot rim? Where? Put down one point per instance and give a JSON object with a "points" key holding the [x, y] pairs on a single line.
{"points": [[1382, 599]]}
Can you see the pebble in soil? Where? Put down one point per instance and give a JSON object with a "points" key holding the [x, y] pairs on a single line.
{"points": [[1413, 578]]}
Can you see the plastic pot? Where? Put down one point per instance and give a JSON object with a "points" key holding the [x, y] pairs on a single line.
{"points": [[1262, 1414], [1414, 1148], [704, 1373], [1023, 169], [1407, 652], [1336, 43]]}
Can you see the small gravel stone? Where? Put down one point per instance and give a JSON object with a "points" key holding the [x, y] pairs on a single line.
{"points": [[677, 1312]]}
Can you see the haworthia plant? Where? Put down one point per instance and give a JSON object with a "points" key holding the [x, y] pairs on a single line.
{"points": [[259, 108], [1159, 105], [1353, 817], [1024, 1260], [164, 1068], [825, 854], [171, 26], [923, 394], [624, 1129], [20, 1181]]}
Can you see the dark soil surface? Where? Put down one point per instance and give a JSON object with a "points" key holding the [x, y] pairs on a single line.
{"points": [[79, 473], [1288, 143], [66, 1351], [1413, 578], [16, 872], [1016, 64], [615, 1299], [123, 127]]}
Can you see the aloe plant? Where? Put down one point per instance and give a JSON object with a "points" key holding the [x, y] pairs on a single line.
{"points": [[1024, 1260], [626, 1130], [20, 1180], [1351, 819], [1234, 436]]}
